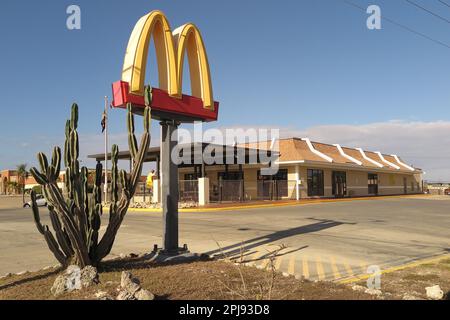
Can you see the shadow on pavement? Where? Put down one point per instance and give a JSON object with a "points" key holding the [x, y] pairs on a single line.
{"points": [[245, 246]]}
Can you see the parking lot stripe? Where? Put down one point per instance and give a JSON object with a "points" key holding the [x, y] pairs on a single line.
{"points": [[291, 266], [305, 268], [319, 266], [335, 269]]}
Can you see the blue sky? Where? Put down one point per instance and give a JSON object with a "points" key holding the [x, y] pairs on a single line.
{"points": [[308, 67]]}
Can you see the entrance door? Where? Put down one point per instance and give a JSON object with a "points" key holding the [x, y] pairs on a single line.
{"points": [[339, 186], [373, 183], [405, 186]]}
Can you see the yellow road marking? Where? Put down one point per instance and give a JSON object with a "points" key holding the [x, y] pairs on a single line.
{"points": [[335, 269], [348, 269], [392, 269], [319, 267], [278, 263], [291, 266], [284, 204], [305, 268]]}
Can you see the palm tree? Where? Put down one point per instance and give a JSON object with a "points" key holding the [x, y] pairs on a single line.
{"points": [[22, 174]]}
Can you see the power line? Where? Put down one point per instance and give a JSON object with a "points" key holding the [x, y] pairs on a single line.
{"points": [[429, 11], [401, 25], [444, 3]]}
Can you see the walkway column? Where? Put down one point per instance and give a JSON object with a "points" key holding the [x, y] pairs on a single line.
{"points": [[156, 184], [203, 191], [169, 188], [297, 182]]}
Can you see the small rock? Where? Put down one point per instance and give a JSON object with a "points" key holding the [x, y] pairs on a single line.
{"points": [[358, 288], [21, 273], [144, 294], [373, 292], [59, 286], [129, 283], [75, 278], [434, 292], [89, 276], [125, 295]]}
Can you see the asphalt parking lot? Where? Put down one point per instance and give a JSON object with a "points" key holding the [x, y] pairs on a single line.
{"points": [[326, 241]]}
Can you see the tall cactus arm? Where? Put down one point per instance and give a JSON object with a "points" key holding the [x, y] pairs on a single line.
{"points": [[145, 142], [54, 248], [44, 230], [36, 215], [61, 235], [56, 161], [73, 232], [114, 174], [148, 96], [132, 142], [66, 145], [39, 177]]}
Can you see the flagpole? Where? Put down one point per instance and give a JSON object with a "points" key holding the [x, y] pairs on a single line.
{"points": [[106, 150]]}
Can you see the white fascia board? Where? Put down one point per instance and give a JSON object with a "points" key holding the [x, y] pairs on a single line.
{"points": [[341, 151], [402, 164], [316, 152], [379, 165], [290, 162], [387, 162]]}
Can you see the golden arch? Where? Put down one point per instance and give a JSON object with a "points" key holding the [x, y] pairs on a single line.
{"points": [[170, 49]]}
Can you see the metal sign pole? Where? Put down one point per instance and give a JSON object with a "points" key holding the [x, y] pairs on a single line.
{"points": [[169, 192], [106, 150]]}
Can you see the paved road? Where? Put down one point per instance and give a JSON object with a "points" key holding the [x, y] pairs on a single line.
{"points": [[324, 241]]}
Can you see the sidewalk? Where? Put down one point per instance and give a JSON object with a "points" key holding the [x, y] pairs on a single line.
{"points": [[269, 204]]}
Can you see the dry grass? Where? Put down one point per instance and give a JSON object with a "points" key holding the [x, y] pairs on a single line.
{"points": [[202, 280], [413, 281]]}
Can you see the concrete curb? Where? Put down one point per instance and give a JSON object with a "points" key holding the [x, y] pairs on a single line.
{"points": [[272, 205]]}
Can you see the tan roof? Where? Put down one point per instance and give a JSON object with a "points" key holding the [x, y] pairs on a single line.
{"points": [[358, 156], [296, 149]]}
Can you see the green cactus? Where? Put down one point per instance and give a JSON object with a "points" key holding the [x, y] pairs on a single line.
{"points": [[76, 218]]}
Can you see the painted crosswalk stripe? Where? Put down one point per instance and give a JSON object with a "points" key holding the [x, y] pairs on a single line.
{"points": [[319, 266], [278, 263], [335, 269], [291, 266], [348, 269], [305, 268]]}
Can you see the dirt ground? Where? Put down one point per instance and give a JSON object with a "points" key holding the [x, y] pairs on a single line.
{"points": [[211, 280], [202, 280], [410, 283]]}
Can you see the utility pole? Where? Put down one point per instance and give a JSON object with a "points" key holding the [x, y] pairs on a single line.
{"points": [[106, 149]]}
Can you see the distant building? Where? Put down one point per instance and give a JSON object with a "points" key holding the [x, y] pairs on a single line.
{"points": [[437, 188]]}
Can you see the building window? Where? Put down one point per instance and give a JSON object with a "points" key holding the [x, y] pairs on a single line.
{"points": [[273, 186], [339, 187], [315, 183], [230, 175], [190, 176], [372, 183]]}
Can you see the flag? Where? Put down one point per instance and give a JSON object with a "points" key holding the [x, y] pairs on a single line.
{"points": [[103, 123]]}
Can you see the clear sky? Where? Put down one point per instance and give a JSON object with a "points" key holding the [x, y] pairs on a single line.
{"points": [[309, 67]]}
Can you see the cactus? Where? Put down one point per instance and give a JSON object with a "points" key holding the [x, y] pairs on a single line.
{"points": [[76, 219]]}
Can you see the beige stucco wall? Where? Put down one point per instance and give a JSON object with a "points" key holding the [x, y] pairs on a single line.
{"points": [[388, 183]]}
